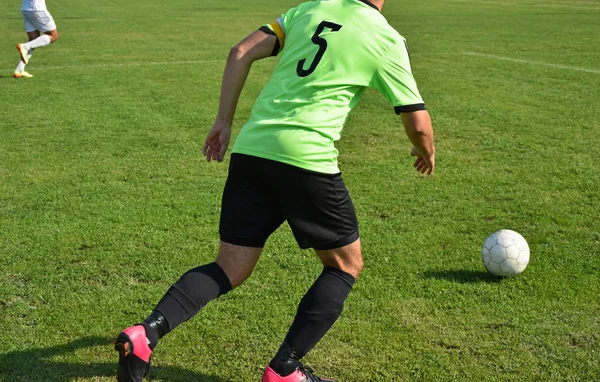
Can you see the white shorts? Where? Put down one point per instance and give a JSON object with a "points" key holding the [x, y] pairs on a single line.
{"points": [[38, 21]]}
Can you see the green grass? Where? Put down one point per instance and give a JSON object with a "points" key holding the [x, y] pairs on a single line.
{"points": [[105, 199]]}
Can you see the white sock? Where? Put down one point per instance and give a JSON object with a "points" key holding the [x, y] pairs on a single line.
{"points": [[43, 40], [21, 65]]}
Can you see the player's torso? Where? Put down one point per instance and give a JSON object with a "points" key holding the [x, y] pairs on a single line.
{"points": [[332, 49], [33, 5], [332, 42]]}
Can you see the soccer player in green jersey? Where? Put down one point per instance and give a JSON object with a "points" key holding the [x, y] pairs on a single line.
{"points": [[284, 168]]}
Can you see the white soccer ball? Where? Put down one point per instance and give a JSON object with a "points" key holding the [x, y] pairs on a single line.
{"points": [[505, 253]]}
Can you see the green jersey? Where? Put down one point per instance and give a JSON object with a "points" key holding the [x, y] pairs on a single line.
{"points": [[331, 51]]}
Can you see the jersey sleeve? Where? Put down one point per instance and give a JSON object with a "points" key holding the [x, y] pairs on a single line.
{"points": [[395, 81], [278, 28]]}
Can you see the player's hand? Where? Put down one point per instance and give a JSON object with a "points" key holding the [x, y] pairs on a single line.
{"points": [[217, 140], [424, 163]]}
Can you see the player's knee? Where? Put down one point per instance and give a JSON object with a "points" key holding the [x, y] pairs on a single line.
{"points": [[360, 264], [53, 35], [349, 263], [237, 52], [356, 265], [348, 259]]}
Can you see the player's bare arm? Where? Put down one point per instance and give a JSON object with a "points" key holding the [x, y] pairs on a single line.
{"points": [[255, 47], [420, 132]]}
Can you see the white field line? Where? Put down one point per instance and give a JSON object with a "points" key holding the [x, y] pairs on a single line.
{"points": [[119, 65], [139, 64], [532, 62]]}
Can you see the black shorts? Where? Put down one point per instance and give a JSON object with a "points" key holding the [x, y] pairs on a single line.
{"points": [[260, 194]]}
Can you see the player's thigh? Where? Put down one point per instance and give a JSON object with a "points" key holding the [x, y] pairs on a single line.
{"points": [[318, 208], [249, 211], [41, 20], [29, 22]]}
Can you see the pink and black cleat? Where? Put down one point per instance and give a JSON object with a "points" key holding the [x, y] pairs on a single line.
{"points": [[134, 354], [301, 374]]}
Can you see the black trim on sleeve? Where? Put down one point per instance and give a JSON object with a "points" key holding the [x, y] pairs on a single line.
{"points": [[369, 4], [267, 30], [270, 32], [409, 108]]}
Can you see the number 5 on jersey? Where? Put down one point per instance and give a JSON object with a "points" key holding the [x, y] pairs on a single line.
{"points": [[322, 43]]}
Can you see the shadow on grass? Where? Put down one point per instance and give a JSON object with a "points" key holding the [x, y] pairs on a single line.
{"points": [[45, 365], [463, 276]]}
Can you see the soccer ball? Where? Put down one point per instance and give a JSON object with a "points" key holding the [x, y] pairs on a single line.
{"points": [[505, 253]]}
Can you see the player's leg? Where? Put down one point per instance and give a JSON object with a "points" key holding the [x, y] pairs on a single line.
{"points": [[324, 302], [53, 34], [32, 34], [184, 299], [248, 217], [44, 39], [321, 215], [41, 21], [20, 69], [247, 220], [317, 312], [199, 286]]}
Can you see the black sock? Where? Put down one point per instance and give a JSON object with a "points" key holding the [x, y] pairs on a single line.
{"points": [[285, 361], [317, 312], [156, 327], [185, 298]]}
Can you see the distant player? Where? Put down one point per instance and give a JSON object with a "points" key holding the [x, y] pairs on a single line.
{"points": [[41, 30], [284, 168]]}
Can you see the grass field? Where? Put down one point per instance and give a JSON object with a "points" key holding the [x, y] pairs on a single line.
{"points": [[105, 198]]}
